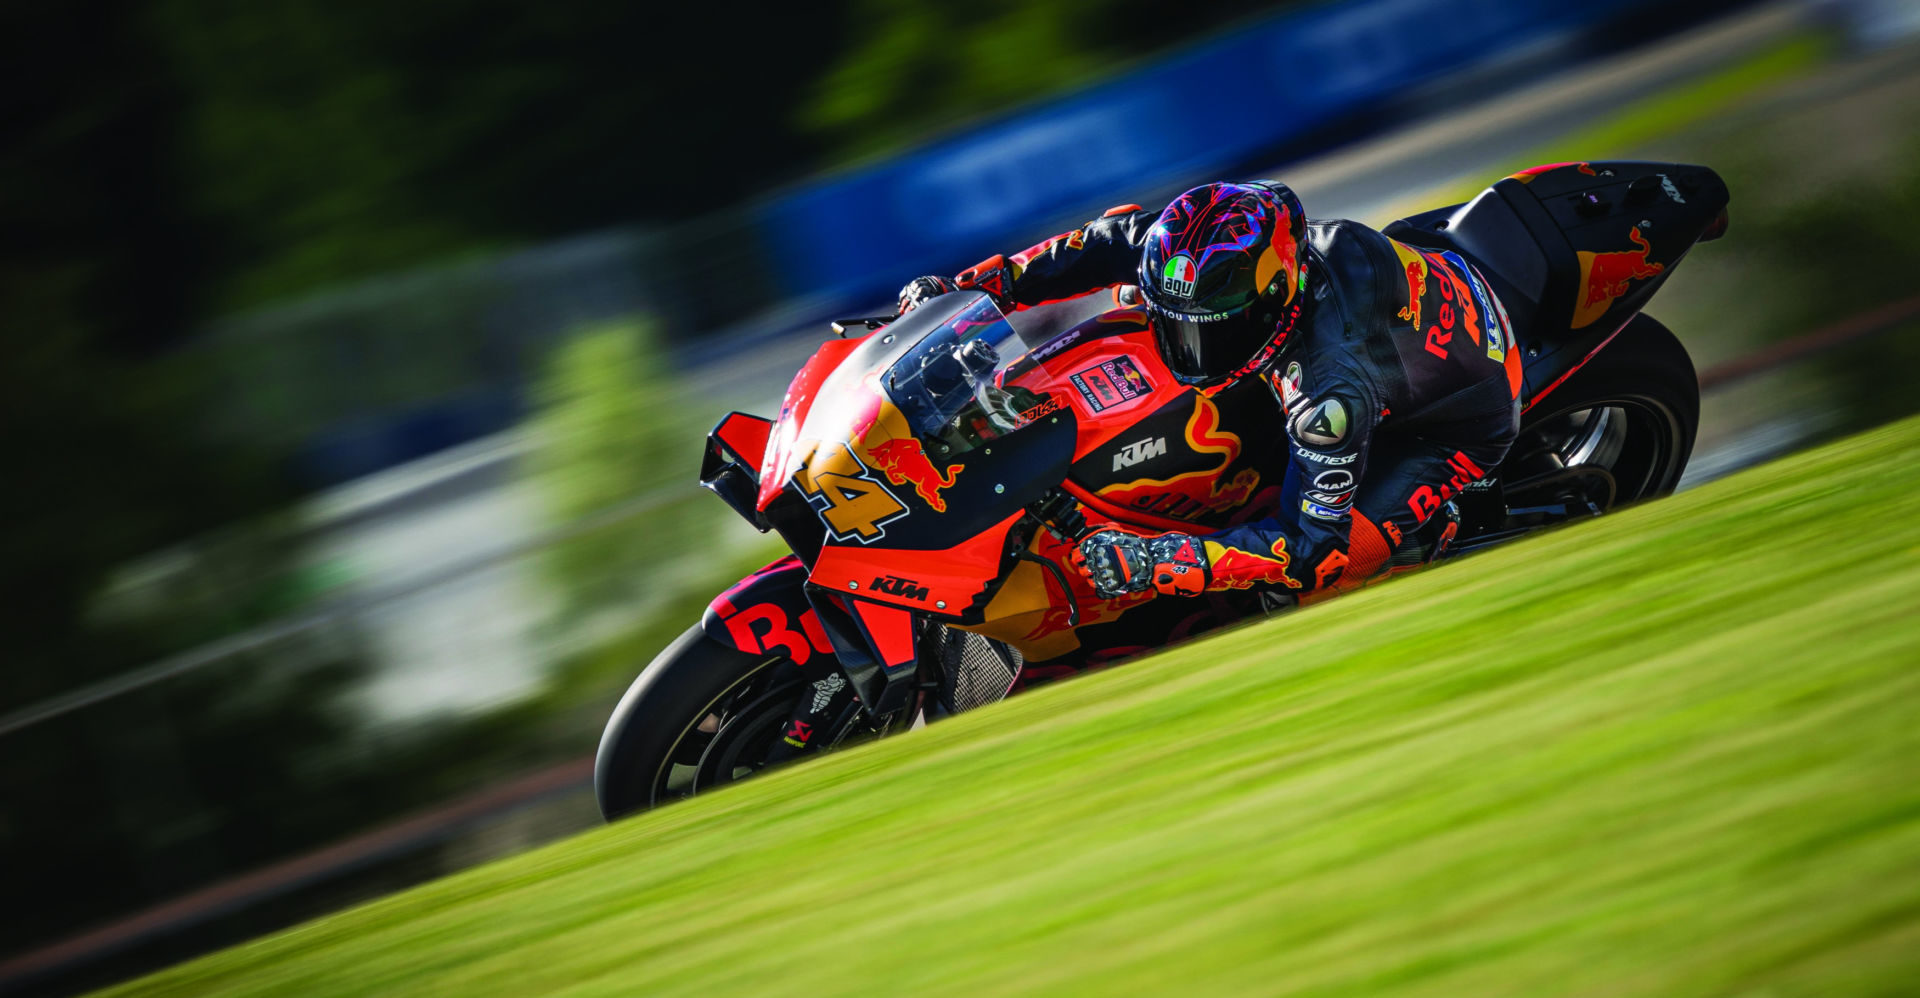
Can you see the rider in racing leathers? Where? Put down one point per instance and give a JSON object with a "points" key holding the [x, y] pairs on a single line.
{"points": [[1391, 370]]}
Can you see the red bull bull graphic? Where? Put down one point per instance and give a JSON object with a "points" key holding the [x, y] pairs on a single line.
{"points": [[1605, 277], [904, 462], [892, 448], [1235, 568], [1415, 268]]}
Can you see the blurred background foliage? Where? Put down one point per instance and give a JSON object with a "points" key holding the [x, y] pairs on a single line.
{"points": [[612, 427], [170, 163], [914, 67]]}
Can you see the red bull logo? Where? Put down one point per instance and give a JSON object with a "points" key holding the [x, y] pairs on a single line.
{"points": [[1427, 499], [1605, 276], [1234, 568], [1416, 269], [903, 461], [1456, 308]]}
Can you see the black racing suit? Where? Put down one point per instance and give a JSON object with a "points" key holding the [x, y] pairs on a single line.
{"points": [[1399, 386]]}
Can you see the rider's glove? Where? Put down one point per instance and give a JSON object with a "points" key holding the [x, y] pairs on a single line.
{"points": [[921, 289], [1119, 561]]}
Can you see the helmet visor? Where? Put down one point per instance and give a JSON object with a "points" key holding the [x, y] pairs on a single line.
{"points": [[1201, 349]]}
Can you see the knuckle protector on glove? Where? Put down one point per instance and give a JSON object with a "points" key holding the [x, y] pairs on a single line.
{"points": [[1119, 562], [921, 289], [1115, 562]]}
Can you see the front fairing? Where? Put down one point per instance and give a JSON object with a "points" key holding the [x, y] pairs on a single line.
{"points": [[918, 452]]}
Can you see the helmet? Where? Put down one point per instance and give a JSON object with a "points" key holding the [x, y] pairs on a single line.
{"points": [[1225, 275]]}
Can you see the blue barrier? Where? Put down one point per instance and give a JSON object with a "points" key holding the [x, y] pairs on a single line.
{"points": [[1204, 109]]}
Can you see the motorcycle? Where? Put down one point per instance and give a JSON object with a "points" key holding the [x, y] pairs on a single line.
{"points": [[931, 472]]}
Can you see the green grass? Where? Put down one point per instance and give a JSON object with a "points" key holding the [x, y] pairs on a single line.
{"points": [[1674, 751]]}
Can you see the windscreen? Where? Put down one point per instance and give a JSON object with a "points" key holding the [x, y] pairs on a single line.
{"points": [[960, 386]]}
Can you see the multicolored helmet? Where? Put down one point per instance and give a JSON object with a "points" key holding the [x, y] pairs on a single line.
{"points": [[1225, 273]]}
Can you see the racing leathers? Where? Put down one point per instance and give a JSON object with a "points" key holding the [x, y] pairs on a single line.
{"points": [[1398, 388]]}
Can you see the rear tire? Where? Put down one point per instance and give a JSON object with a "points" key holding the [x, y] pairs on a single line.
{"points": [[1633, 411], [652, 748]]}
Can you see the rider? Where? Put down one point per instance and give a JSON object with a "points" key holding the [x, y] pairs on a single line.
{"points": [[1387, 416]]}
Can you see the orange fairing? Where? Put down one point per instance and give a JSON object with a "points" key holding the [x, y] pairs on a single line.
{"points": [[944, 582], [1031, 613], [781, 460], [745, 436], [889, 629]]}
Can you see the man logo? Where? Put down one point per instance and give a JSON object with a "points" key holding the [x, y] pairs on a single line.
{"points": [[1179, 276], [1138, 451], [1338, 480]]}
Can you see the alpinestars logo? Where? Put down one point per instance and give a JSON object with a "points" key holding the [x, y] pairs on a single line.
{"points": [[1179, 276], [894, 585], [1138, 451]]}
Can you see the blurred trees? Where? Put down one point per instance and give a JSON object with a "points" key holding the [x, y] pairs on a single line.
{"points": [[165, 163], [99, 272], [613, 424], [1835, 252], [916, 67], [339, 139]]}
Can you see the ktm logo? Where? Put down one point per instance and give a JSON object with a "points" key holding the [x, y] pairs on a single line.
{"points": [[1138, 451], [894, 585]]}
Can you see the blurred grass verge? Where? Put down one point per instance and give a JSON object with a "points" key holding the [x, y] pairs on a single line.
{"points": [[1668, 752]]}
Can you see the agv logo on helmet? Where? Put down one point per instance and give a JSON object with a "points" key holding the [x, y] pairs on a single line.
{"points": [[1179, 276]]}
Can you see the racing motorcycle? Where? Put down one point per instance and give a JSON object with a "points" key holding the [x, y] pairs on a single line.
{"points": [[931, 472]]}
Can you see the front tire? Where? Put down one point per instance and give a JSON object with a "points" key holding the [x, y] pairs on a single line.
{"points": [[652, 749]]}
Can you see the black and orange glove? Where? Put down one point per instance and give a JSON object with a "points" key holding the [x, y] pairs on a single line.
{"points": [[921, 289], [1119, 561]]}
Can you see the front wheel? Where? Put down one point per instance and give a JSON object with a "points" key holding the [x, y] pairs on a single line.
{"points": [[699, 715]]}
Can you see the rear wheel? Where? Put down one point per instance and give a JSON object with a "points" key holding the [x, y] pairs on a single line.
{"points": [[1619, 430], [701, 714]]}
